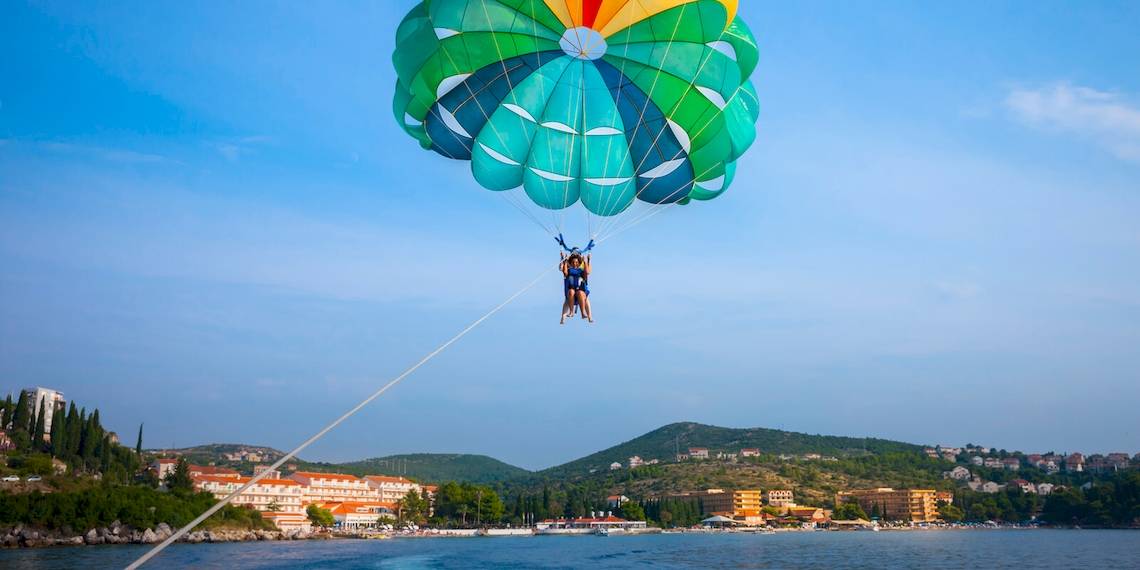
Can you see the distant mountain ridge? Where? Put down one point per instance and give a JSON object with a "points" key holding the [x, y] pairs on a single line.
{"points": [[663, 443], [426, 467], [430, 467]]}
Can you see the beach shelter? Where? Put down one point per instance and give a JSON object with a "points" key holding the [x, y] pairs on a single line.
{"points": [[719, 521]]}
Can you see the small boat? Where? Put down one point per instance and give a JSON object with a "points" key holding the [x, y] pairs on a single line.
{"points": [[602, 532]]}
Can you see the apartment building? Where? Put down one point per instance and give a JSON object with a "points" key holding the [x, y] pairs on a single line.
{"points": [[334, 488], [913, 505]]}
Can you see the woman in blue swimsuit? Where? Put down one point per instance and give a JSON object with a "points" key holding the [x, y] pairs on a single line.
{"points": [[575, 277]]}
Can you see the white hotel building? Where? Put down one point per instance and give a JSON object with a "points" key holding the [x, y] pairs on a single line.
{"points": [[334, 488], [391, 489], [284, 496]]}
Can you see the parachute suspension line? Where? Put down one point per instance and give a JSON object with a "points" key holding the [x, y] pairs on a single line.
{"points": [[584, 159], [512, 199], [570, 148], [555, 221], [277, 465], [653, 211], [508, 195], [612, 198], [653, 87], [676, 108]]}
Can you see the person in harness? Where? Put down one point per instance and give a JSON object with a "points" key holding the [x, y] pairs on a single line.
{"points": [[575, 269]]}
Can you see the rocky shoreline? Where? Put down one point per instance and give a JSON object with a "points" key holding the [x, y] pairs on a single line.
{"points": [[117, 533]]}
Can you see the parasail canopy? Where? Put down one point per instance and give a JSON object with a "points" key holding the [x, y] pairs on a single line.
{"points": [[603, 102]]}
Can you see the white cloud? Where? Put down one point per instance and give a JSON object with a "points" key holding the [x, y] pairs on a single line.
{"points": [[958, 290], [234, 149], [1106, 118], [98, 152]]}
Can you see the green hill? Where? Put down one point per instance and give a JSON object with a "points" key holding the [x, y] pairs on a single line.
{"points": [[429, 467], [663, 444], [237, 455]]}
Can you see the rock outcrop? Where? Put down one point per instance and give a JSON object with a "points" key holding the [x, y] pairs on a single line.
{"points": [[117, 533]]}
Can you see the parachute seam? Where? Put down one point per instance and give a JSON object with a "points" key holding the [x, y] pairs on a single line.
{"points": [[617, 101], [649, 94], [676, 107]]}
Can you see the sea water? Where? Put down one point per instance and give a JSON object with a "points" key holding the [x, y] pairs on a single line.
{"points": [[889, 549]]}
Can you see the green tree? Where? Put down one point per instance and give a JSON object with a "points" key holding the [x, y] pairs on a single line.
{"points": [[21, 417], [6, 413], [849, 511], [58, 439], [412, 508], [320, 517], [41, 426], [138, 443], [74, 425], [273, 507], [489, 508], [950, 513], [35, 464], [179, 479], [632, 511]]}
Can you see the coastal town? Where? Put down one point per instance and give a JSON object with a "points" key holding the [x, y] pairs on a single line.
{"points": [[49, 447]]}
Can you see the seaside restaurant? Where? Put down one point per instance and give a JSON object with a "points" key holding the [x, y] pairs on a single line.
{"points": [[719, 521], [596, 521]]}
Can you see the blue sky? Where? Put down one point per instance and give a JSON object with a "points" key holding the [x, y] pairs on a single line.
{"points": [[210, 222]]}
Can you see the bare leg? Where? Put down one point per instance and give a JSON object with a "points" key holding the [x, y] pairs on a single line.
{"points": [[567, 305], [584, 300]]}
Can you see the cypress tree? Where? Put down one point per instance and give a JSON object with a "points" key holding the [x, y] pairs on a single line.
{"points": [[6, 417], [138, 443], [105, 454], [86, 437], [20, 415], [58, 443], [74, 426], [38, 432]]}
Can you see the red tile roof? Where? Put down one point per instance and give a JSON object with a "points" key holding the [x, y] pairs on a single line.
{"points": [[350, 507], [211, 470], [387, 479], [244, 480], [330, 476]]}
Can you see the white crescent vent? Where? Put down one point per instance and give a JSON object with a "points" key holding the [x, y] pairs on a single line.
{"points": [[520, 112], [713, 95], [599, 131], [556, 126], [449, 83], [682, 136], [452, 123], [664, 169], [723, 47], [551, 175], [444, 33], [714, 185], [608, 181], [497, 155]]}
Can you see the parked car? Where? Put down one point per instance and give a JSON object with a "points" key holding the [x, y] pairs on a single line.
{"points": [[11, 479], [35, 479]]}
